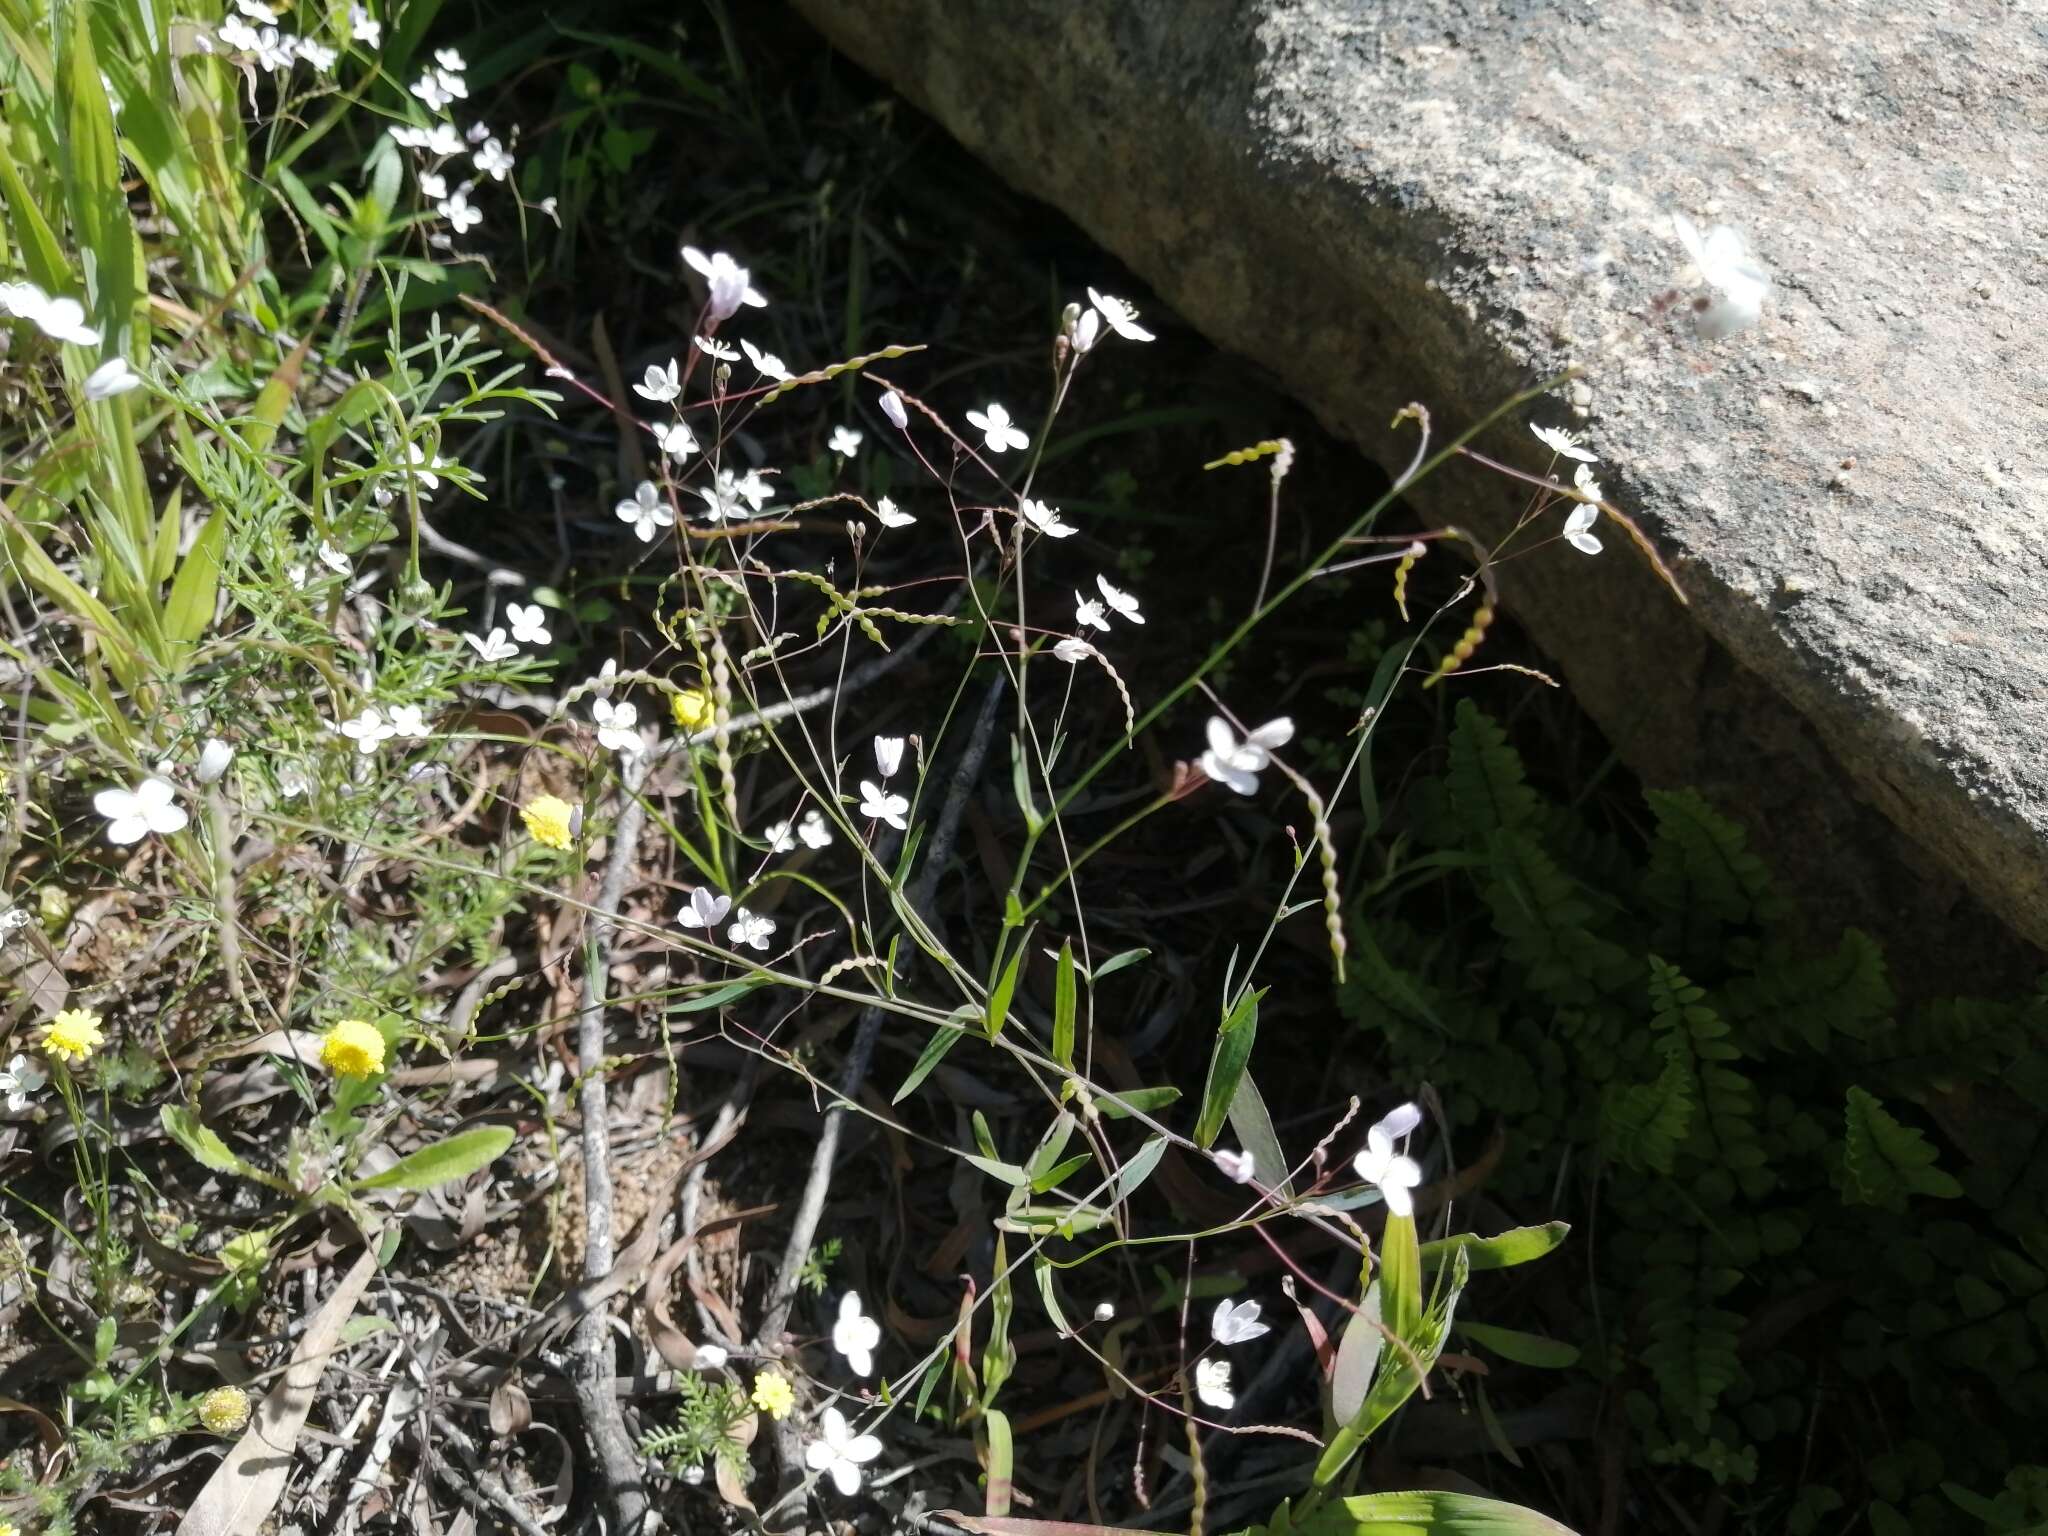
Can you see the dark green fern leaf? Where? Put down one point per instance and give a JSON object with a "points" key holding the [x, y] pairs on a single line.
{"points": [[1807, 1000], [1884, 1161], [1489, 792]]}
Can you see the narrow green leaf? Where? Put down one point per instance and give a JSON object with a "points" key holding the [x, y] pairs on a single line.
{"points": [[942, 1041], [1401, 1277], [1065, 1005], [1426, 1514], [1255, 1133], [456, 1158], [1136, 1101], [1055, 1176], [1517, 1245], [1228, 1058], [1049, 1295], [996, 1168], [1134, 1173], [1358, 1355], [1001, 1483], [189, 608], [1522, 1348], [1005, 988], [1117, 962]]}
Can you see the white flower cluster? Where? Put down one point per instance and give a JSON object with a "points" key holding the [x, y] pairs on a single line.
{"points": [[438, 88], [253, 31]]}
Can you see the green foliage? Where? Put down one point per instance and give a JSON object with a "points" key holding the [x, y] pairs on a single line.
{"points": [[1740, 1118]]}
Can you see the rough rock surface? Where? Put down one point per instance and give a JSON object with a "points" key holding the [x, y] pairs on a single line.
{"points": [[1447, 200]]}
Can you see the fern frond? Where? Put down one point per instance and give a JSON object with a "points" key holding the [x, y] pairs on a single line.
{"points": [[1805, 1001], [1489, 789], [1884, 1161]]}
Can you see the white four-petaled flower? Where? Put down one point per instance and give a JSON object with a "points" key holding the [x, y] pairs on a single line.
{"points": [[1212, 1384], [1090, 611], [675, 439], [855, 1336], [493, 647], [1236, 1322], [888, 755], [892, 516], [20, 1082], [710, 346], [841, 1453], [58, 319], [845, 441], [529, 623], [456, 209], [1738, 279], [1382, 1164], [618, 725], [1045, 519], [705, 910], [727, 281], [1122, 602], [214, 758], [111, 378], [996, 429], [1239, 763], [368, 730], [767, 364], [1578, 528], [1072, 650], [132, 814], [492, 159], [647, 510], [1119, 316], [878, 805], [1559, 441], [1238, 1167], [660, 385], [750, 928]]}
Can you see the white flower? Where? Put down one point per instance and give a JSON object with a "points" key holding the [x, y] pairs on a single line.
{"points": [[880, 806], [996, 431], [256, 10], [430, 88], [529, 623], [319, 55], [845, 441], [1089, 611], [750, 928], [494, 647], [647, 511], [727, 281], [58, 319], [1578, 529], [418, 466], [855, 1336], [1380, 1164], [705, 910], [132, 814], [1238, 763], [1087, 330], [601, 685], [1122, 602], [214, 758], [1557, 440], [21, 1081], [292, 781], [711, 346], [660, 385], [841, 1452], [364, 28], [721, 502], [892, 407], [765, 363], [781, 836], [433, 186], [448, 58], [408, 722], [1738, 279], [334, 559], [111, 378], [1212, 1383], [814, 831], [1237, 1167], [1237, 1323], [753, 488], [618, 725], [1045, 519], [1073, 650], [888, 755], [456, 209], [675, 438], [275, 50], [710, 1357], [1119, 316], [442, 139], [1584, 483], [892, 516], [492, 159], [368, 730], [1105, 1311], [237, 34]]}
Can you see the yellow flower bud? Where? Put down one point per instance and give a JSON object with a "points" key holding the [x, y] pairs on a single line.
{"points": [[224, 1410]]}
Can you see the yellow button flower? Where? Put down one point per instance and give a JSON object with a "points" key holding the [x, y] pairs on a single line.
{"points": [[353, 1048], [693, 710], [551, 821], [773, 1394], [73, 1035], [224, 1410]]}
